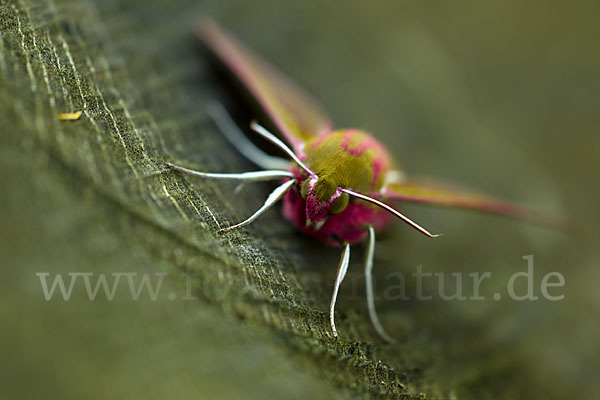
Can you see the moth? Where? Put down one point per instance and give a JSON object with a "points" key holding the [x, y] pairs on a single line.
{"points": [[339, 186]]}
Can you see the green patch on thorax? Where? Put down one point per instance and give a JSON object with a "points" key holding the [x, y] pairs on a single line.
{"points": [[339, 162]]}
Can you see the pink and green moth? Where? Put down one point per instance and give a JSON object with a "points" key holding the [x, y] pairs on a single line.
{"points": [[340, 186]]}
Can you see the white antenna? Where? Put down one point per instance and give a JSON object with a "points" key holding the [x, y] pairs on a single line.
{"points": [[390, 209]]}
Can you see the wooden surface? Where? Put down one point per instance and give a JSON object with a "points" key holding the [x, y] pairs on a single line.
{"points": [[501, 98]]}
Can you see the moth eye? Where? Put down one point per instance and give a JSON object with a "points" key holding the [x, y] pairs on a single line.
{"points": [[339, 204], [305, 188]]}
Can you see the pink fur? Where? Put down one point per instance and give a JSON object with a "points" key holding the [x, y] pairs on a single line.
{"points": [[319, 140], [381, 163], [378, 165], [316, 209], [345, 143]]}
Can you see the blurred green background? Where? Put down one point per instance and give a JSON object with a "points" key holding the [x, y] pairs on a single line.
{"points": [[499, 96]]}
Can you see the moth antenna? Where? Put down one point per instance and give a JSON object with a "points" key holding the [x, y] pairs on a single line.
{"points": [[273, 198], [391, 210], [342, 268], [243, 176], [256, 127], [238, 139], [370, 292]]}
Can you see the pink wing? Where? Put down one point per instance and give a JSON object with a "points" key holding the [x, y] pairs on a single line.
{"points": [[445, 195], [293, 112]]}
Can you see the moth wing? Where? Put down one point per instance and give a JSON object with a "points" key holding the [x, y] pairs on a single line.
{"points": [[294, 113], [438, 194]]}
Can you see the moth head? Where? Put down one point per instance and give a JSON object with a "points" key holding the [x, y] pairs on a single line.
{"points": [[322, 199]]}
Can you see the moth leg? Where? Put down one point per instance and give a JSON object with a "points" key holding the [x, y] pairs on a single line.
{"points": [[369, 282], [239, 187], [342, 268], [236, 137], [273, 198], [253, 176]]}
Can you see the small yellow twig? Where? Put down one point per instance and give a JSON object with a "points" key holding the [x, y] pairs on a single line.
{"points": [[72, 116]]}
